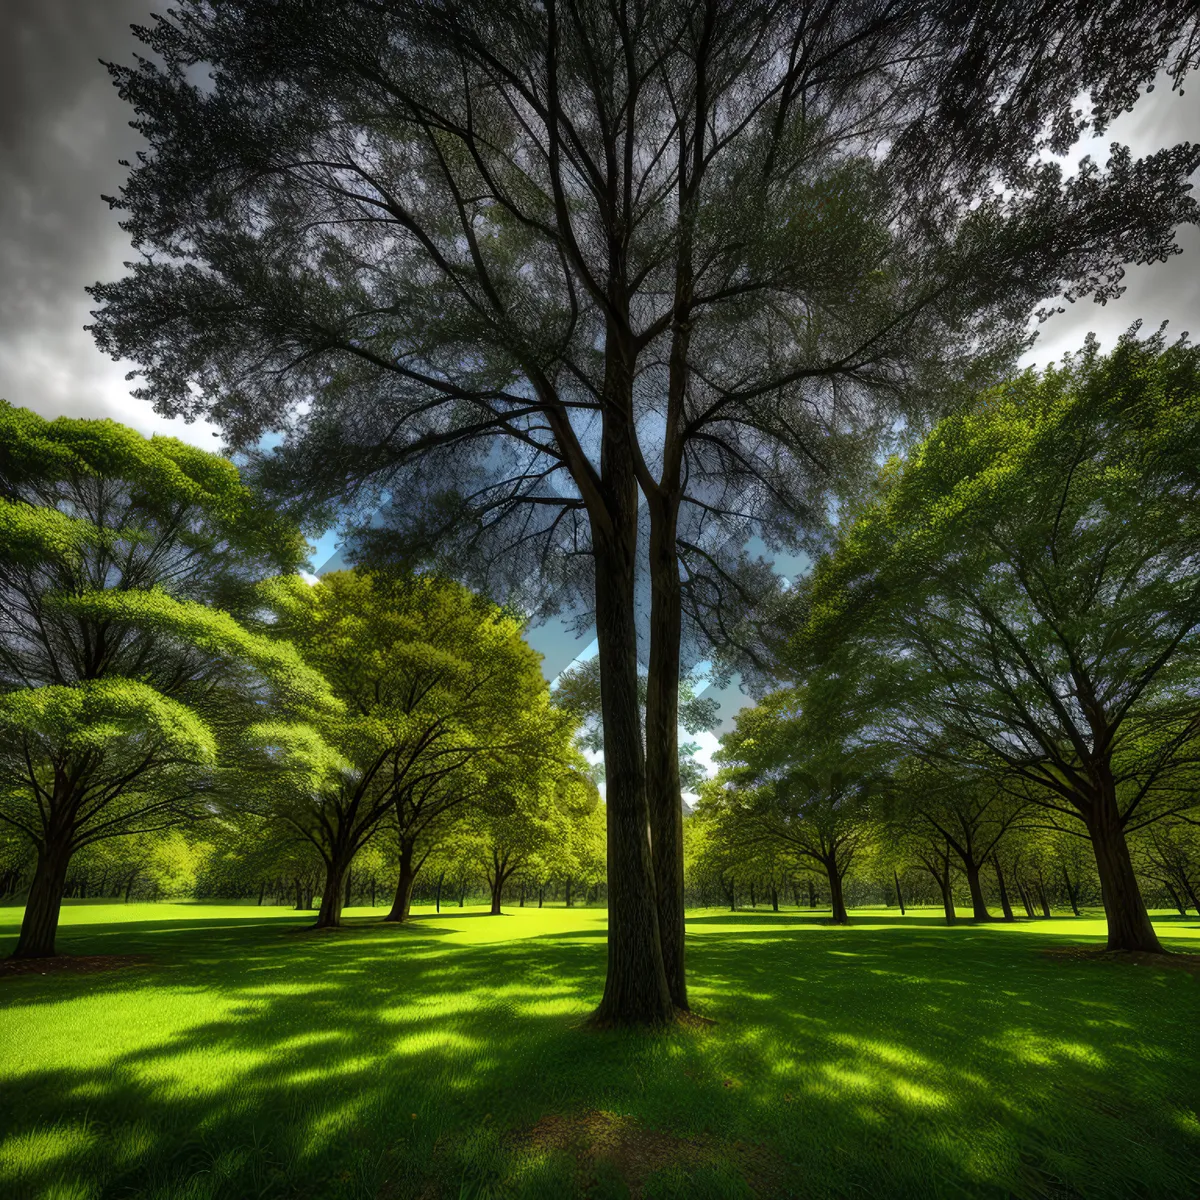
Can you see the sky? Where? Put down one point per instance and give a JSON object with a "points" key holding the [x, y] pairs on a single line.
{"points": [[63, 129]]}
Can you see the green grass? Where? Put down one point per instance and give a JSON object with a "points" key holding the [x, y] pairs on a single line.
{"points": [[892, 1058]]}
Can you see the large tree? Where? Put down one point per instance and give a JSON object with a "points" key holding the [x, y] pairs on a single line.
{"points": [[514, 264], [1030, 582], [122, 667]]}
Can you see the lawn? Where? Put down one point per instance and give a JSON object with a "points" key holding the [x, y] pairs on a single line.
{"points": [[449, 1059]]}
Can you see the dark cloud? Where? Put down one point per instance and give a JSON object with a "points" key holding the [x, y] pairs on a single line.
{"points": [[62, 131]]}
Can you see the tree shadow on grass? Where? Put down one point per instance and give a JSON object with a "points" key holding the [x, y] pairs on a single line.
{"points": [[370, 1065]]}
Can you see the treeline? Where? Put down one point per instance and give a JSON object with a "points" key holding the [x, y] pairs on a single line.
{"points": [[996, 663], [182, 714]]}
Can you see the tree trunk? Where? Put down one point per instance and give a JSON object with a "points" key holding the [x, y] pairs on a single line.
{"points": [[753, 897], [812, 895], [663, 793], [332, 894], [568, 892], [1129, 926], [541, 896], [1071, 896], [262, 891], [39, 926], [404, 885], [1191, 891], [522, 902], [372, 891], [774, 898], [437, 895], [899, 893], [129, 884], [1005, 905], [1026, 900], [1175, 899], [979, 910], [836, 902], [497, 891], [349, 886], [947, 899], [1042, 896]]}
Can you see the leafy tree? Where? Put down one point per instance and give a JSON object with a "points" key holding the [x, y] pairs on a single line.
{"points": [[1030, 575], [965, 812], [516, 262], [1169, 854], [122, 662], [794, 775]]}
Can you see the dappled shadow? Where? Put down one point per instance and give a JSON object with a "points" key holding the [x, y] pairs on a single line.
{"points": [[910, 1059]]}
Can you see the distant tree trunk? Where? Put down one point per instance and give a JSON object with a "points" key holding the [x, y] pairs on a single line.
{"points": [[836, 901], [497, 878], [1175, 899], [372, 891], [299, 895], [568, 891], [1129, 925], [522, 904], [731, 894], [979, 910], [404, 884], [774, 898], [129, 884], [262, 891], [753, 897], [437, 897], [541, 894], [462, 892], [1005, 905], [1191, 891], [39, 926], [899, 893], [1071, 896], [812, 895], [1042, 895]]}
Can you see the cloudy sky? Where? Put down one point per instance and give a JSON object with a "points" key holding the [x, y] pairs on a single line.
{"points": [[63, 130]]}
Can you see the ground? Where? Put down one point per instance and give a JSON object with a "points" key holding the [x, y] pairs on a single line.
{"points": [[227, 1053]]}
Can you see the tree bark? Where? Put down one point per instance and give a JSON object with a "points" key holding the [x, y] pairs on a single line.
{"points": [[899, 893], [774, 898], [1005, 905], [979, 909], [947, 899], [812, 895], [1026, 900], [1042, 897], [329, 916], [404, 884], [437, 896], [39, 926], [1175, 899], [1129, 926], [836, 901], [664, 797]]}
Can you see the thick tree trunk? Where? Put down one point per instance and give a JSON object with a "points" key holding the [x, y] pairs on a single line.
{"points": [[349, 887], [404, 885], [1129, 926], [1005, 904], [979, 909], [836, 902], [333, 894], [662, 744], [39, 926], [899, 893]]}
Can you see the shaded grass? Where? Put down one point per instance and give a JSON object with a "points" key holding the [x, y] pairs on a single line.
{"points": [[897, 1057]]}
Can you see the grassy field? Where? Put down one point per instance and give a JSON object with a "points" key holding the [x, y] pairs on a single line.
{"points": [[448, 1059]]}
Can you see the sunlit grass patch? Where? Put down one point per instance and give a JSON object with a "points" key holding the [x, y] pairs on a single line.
{"points": [[891, 1058]]}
